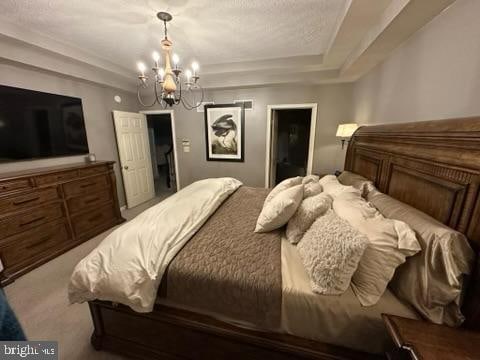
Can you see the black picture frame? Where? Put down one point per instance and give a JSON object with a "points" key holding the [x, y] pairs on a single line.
{"points": [[227, 124]]}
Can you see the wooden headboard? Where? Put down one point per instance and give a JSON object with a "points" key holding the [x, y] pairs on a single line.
{"points": [[433, 166]]}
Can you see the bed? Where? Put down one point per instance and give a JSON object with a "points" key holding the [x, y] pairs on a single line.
{"points": [[412, 162]]}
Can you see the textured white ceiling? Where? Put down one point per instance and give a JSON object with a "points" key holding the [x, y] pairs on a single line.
{"points": [[210, 31]]}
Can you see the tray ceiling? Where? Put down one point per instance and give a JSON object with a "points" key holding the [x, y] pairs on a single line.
{"points": [[211, 31], [237, 42]]}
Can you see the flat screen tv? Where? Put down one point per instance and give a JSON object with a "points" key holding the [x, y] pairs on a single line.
{"points": [[36, 125]]}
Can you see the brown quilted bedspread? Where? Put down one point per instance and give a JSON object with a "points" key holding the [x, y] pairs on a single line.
{"points": [[227, 269]]}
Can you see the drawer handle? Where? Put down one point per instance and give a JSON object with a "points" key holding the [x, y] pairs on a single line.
{"points": [[39, 242], [25, 201], [91, 200], [32, 221], [86, 185]]}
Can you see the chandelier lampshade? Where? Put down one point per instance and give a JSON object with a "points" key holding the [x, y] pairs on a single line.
{"points": [[168, 81]]}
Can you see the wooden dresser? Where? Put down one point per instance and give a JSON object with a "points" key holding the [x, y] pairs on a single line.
{"points": [[47, 211]]}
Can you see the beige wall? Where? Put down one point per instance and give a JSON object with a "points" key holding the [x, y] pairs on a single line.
{"points": [[333, 107], [434, 75], [98, 104]]}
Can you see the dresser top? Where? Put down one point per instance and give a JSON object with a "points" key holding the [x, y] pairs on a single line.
{"points": [[51, 169]]}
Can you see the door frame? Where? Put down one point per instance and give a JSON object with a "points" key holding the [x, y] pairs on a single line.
{"points": [[174, 138], [311, 145]]}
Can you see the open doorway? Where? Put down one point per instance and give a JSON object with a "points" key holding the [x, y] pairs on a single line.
{"points": [[290, 141], [162, 152]]}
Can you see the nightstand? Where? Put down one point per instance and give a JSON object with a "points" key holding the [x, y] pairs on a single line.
{"points": [[417, 339]]}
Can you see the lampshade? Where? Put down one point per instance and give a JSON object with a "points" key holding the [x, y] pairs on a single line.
{"points": [[346, 130]]}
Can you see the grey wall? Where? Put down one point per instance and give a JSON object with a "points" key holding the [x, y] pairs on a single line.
{"points": [[434, 75], [98, 104], [334, 107]]}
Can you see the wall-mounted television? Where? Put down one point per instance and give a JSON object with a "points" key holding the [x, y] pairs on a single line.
{"points": [[36, 125]]}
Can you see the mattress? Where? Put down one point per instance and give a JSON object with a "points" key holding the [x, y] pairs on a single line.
{"points": [[339, 320]]}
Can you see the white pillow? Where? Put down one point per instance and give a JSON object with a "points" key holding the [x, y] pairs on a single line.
{"points": [[390, 243], [310, 178], [308, 211], [332, 186], [311, 189], [280, 209], [284, 185], [330, 251]]}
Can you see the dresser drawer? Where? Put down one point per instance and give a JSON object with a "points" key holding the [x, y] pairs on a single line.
{"points": [[57, 177], [27, 220], [20, 202], [84, 223], [20, 184], [95, 170], [31, 244], [86, 186], [95, 200]]}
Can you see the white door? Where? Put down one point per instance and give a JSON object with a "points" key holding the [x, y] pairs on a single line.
{"points": [[135, 162]]}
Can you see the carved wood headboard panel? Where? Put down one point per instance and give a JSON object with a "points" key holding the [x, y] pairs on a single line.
{"points": [[433, 166]]}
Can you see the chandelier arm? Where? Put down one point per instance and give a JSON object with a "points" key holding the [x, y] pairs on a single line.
{"points": [[186, 104], [196, 104], [139, 97]]}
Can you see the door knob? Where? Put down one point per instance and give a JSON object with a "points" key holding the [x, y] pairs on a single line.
{"points": [[125, 167]]}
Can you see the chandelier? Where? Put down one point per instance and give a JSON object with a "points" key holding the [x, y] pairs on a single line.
{"points": [[170, 87]]}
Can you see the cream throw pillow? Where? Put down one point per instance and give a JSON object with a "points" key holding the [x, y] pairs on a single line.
{"points": [[311, 189], [284, 185], [308, 211], [332, 186], [390, 243], [330, 251], [280, 209], [357, 181], [310, 179]]}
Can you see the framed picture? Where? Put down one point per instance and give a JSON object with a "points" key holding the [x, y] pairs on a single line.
{"points": [[224, 132], [200, 109]]}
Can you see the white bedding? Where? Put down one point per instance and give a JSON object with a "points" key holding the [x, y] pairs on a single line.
{"points": [[128, 265]]}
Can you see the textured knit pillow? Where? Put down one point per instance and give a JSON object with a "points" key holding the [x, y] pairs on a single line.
{"points": [[280, 209], [284, 185], [390, 242], [310, 179], [312, 189], [330, 251], [308, 211]]}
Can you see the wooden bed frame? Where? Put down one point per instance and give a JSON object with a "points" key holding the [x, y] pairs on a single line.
{"points": [[433, 166]]}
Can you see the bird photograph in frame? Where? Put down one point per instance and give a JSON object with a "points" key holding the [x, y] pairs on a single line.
{"points": [[224, 130]]}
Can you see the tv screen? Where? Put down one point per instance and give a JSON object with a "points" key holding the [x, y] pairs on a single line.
{"points": [[36, 125]]}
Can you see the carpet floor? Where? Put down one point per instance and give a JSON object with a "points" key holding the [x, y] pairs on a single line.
{"points": [[39, 299]]}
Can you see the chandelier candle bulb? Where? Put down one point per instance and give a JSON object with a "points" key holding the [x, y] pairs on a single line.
{"points": [[175, 60], [195, 68], [141, 67], [156, 58]]}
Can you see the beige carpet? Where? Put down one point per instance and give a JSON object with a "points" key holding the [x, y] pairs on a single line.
{"points": [[39, 299]]}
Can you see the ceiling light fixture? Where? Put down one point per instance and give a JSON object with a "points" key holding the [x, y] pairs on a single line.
{"points": [[167, 84]]}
